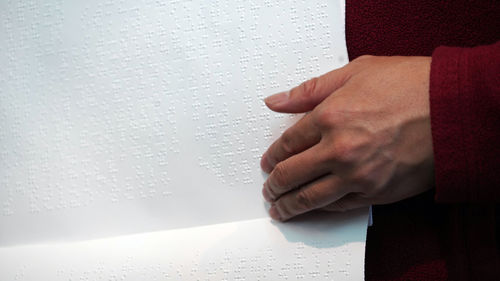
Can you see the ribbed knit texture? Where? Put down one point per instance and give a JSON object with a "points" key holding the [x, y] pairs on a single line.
{"points": [[424, 238]]}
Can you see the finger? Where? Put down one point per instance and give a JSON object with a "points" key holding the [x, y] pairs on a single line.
{"points": [[312, 196], [295, 139], [295, 171], [349, 202], [308, 94]]}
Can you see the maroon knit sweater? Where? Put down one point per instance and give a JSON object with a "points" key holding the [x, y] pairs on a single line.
{"points": [[450, 232]]}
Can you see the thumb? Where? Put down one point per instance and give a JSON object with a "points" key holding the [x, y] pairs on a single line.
{"points": [[308, 94]]}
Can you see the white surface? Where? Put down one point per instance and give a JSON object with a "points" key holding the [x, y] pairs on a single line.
{"points": [[121, 117], [310, 249], [131, 116]]}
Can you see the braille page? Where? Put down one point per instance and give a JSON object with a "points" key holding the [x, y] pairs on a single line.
{"points": [[121, 117], [132, 116], [304, 250]]}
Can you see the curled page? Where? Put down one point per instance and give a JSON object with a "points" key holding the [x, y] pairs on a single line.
{"points": [[320, 247]]}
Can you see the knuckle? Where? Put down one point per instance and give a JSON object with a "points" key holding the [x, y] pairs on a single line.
{"points": [[320, 116], [279, 176], [273, 196], [287, 142], [286, 209], [368, 175], [364, 177], [325, 117], [305, 201], [309, 88], [344, 150]]}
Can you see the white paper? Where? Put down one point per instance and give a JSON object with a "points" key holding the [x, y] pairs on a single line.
{"points": [[121, 116], [126, 116], [250, 250]]}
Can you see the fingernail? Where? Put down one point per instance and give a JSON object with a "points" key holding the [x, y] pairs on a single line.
{"points": [[277, 99], [265, 165], [273, 212]]}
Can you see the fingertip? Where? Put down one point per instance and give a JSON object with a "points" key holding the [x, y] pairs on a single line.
{"points": [[277, 99], [265, 165], [266, 195], [273, 212], [281, 102]]}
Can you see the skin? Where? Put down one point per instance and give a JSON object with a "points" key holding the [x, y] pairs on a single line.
{"points": [[366, 138]]}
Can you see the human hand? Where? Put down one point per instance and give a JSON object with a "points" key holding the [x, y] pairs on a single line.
{"points": [[367, 139]]}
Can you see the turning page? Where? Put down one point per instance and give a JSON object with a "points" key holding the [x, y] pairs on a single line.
{"points": [[121, 117]]}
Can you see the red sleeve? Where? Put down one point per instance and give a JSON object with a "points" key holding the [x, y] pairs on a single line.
{"points": [[465, 119]]}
